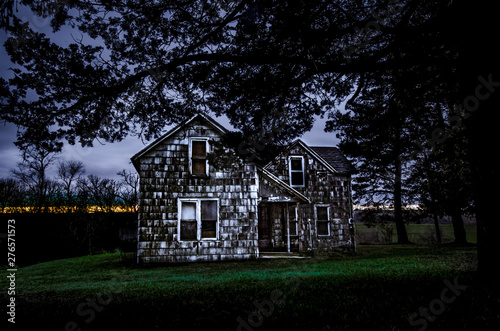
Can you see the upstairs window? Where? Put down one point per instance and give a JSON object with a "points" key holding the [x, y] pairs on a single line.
{"points": [[296, 167], [198, 150]]}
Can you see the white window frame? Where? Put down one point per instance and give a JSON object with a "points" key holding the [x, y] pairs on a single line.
{"points": [[290, 171], [206, 140], [328, 219], [197, 201]]}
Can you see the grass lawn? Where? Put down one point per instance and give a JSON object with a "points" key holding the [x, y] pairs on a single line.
{"points": [[378, 288], [417, 233]]}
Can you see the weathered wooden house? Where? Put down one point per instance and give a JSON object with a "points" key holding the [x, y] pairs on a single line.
{"points": [[191, 211]]}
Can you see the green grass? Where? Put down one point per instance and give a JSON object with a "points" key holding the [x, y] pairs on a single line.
{"points": [[376, 289], [89, 274]]}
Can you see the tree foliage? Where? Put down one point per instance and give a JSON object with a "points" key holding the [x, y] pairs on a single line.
{"points": [[32, 189], [139, 66]]}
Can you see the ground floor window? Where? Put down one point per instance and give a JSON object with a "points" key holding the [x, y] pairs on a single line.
{"points": [[293, 220], [198, 219], [322, 220]]}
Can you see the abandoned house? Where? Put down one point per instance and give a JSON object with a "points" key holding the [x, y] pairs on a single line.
{"points": [[191, 211]]}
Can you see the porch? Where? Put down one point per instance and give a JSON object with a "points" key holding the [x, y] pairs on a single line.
{"points": [[279, 227]]}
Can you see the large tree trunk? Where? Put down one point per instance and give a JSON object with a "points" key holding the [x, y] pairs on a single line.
{"points": [[476, 24], [485, 178], [398, 208]]}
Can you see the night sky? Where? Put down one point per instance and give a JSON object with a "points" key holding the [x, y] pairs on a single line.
{"points": [[107, 159]]}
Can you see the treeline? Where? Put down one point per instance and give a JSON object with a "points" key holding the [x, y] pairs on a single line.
{"points": [[29, 189], [42, 237], [70, 213]]}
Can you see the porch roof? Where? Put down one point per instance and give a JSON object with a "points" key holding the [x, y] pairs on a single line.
{"points": [[292, 193]]}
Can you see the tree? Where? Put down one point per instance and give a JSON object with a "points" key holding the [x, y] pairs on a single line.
{"points": [[11, 194], [69, 173], [377, 131], [99, 193], [129, 188], [160, 62], [96, 198], [32, 172], [479, 76], [441, 180], [243, 59]]}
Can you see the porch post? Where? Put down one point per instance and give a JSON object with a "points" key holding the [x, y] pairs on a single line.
{"points": [[299, 224], [287, 227]]}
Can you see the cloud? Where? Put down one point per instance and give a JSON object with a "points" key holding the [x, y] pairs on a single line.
{"points": [[318, 137], [107, 159], [8, 151]]}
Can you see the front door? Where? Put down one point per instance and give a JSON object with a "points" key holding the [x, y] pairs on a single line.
{"points": [[265, 242]]}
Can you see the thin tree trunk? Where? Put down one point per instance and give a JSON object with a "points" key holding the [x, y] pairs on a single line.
{"points": [[398, 207], [458, 227], [438, 231]]}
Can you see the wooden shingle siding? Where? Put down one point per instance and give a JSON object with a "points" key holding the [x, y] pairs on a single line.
{"points": [[190, 211], [322, 187], [165, 178]]}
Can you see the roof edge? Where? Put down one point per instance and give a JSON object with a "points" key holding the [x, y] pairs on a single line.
{"points": [[309, 150], [222, 130], [283, 185]]}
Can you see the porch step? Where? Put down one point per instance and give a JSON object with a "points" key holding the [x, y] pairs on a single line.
{"points": [[282, 255]]}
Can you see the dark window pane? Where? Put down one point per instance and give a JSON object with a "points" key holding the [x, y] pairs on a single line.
{"points": [[296, 163], [188, 230], [208, 210], [322, 213], [199, 154], [293, 228], [297, 178], [208, 218], [199, 167], [322, 228], [208, 229], [199, 149]]}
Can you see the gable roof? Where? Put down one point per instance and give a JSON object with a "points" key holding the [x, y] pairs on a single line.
{"points": [[203, 117], [330, 157], [334, 157]]}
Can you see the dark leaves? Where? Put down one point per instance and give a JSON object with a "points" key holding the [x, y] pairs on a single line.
{"points": [[141, 66]]}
